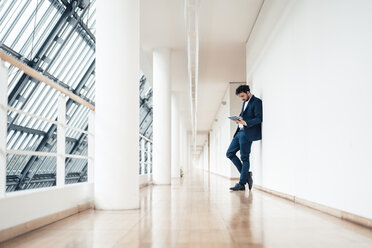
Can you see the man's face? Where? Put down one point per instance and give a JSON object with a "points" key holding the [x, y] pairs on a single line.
{"points": [[243, 96]]}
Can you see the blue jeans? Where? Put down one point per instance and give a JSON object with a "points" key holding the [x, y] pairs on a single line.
{"points": [[239, 142]]}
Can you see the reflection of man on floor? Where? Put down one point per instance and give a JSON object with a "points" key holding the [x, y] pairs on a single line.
{"points": [[248, 130]]}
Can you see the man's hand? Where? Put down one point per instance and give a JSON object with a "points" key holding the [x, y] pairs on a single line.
{"points": [[241, 121]]}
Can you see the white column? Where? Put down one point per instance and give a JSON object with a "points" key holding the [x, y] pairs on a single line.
{"points": [[209, 152], [117, 105], [162, 117], [189, 152], [3, 125], [61, 142], [183, 146], [91, 146], [175, 138]]}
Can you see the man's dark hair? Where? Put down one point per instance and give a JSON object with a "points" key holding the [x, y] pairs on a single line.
{"points": [[242, 88]]}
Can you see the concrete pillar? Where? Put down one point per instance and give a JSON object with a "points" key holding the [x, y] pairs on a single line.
{"points": [[3, 125], [182, 146], [190, 157], [117, 105], [175, 138], [162, 117]]}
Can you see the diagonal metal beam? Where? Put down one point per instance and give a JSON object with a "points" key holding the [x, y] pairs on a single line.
{"points": [[53, 128], [83, 172], [14, 53], [147, 113], [147, 128], [22, 82], [77, 144], [66, 17], [27, 130]]}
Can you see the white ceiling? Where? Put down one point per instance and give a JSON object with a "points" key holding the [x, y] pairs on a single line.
{"points": [[162, 24], [224, 26]]}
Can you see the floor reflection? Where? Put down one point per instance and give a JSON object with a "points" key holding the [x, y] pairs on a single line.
{"points": [[200, 211]]}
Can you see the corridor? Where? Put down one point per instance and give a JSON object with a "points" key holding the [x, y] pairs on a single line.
{"points": [[116, 118], [200, 211]]}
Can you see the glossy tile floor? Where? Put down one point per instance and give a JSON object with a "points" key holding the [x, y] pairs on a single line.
{"points": [[200, 211]]}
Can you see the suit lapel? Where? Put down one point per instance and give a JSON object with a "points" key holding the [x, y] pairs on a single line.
{"points": [[241, 112], [250, 101]]}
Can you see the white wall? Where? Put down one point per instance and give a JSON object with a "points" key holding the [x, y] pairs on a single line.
{"points": [[219, 140], [202, 160], [23, 206], [314, 76], [221, 135]]}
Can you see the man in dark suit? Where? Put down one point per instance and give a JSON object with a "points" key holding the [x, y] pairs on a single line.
{"points": [[248, 130]]}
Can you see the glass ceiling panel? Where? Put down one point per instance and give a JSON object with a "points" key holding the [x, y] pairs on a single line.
{"points": [[26, 23], [58, 41], [54, 38]]}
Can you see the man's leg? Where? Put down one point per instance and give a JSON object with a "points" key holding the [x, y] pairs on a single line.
{"points": [[245, 150], [232, 150]]}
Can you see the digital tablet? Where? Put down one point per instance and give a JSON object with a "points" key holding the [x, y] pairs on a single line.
{"points": [[234, 118]]}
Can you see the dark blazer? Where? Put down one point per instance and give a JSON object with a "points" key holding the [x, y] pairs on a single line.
{"points": [[253, 117]]}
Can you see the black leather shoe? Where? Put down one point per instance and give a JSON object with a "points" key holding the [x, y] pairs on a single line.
{"points": [[250, 180], [237, 187]]}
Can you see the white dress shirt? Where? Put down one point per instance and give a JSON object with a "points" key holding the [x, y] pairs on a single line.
{"points": [[245, 106]]}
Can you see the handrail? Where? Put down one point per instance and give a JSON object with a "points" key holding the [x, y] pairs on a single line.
{"points": [[31, 153], [60, 153], [18, 111], [40, 77], [45, 154], [145, 138]]}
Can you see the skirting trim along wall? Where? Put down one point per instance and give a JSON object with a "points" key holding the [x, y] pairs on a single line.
{"points": [[43, 221], [325, 209]]}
